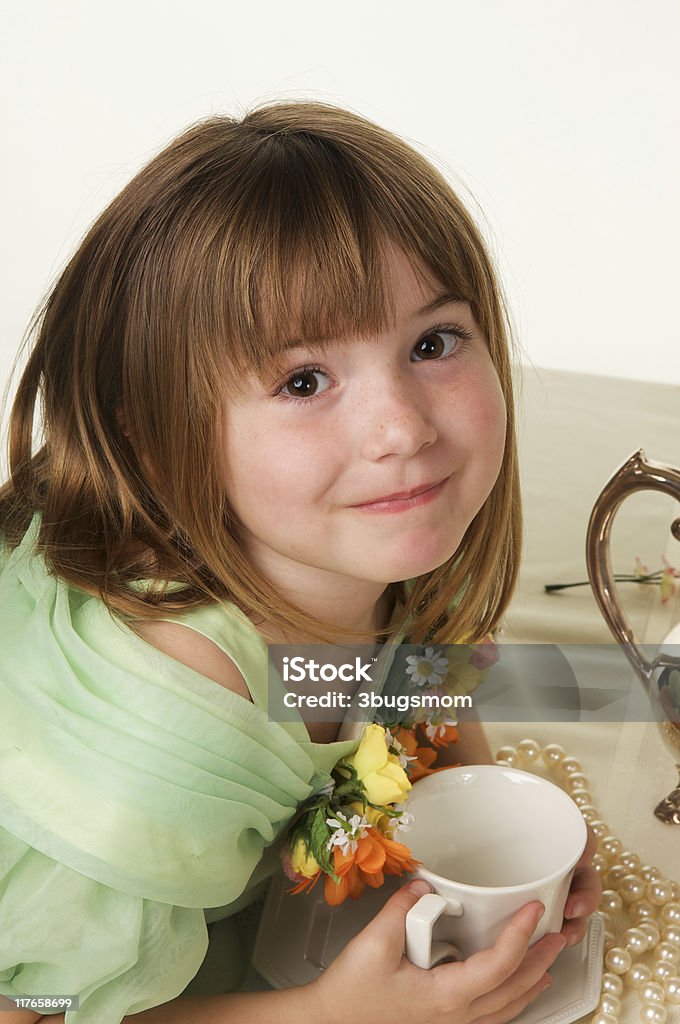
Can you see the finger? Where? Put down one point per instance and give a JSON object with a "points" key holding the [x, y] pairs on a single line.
{"points": [[512, 1009], [573, 931], [584, 894], [385, 932], [538, 959], [489, 968]]}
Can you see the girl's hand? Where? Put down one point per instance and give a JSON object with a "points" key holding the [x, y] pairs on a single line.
{"points": [[584, 895], [372, 978]]}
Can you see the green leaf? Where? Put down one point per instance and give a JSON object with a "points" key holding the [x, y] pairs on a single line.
{"points": [[386, 809], [349, 791], [320, 834]]}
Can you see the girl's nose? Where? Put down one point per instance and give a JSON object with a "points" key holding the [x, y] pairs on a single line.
{"points": [[398, 422]]}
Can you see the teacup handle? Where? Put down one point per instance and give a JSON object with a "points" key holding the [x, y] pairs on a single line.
{"points": [[636, 474], [420, 920]]}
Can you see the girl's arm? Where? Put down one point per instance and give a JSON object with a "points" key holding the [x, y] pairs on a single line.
{"points": [[372, 974]]}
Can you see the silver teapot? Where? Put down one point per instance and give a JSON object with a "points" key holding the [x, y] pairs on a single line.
{"points": [[637, 474]]}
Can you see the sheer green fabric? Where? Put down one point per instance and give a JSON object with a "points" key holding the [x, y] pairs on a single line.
{"points": [[134, 794]]}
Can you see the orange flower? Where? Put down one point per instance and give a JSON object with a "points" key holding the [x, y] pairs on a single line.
{"points": [[356, 869], [350, 884], [424, 755], [444, 734], [374, 857], [398, 858], [306, 884]]}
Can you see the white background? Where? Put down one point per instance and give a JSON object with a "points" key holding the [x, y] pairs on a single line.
{"points": [[558, 118]]}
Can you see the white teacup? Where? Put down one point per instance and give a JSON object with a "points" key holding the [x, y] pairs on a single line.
{"points": [[490, 840]]}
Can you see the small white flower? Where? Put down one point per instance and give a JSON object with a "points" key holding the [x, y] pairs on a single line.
{"points": [[430, 667], [403, 823], [434, 727], [399, 749], [338, 821], [346, 833]]}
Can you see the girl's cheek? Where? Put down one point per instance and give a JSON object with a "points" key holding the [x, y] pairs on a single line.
{"points": [[488, 423], [480, 404]]}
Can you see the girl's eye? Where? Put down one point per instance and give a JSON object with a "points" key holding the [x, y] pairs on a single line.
{"points": [[439, 343], [305, 383]]}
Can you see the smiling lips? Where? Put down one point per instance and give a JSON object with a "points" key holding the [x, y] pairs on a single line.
{"points": [[405, 500]]}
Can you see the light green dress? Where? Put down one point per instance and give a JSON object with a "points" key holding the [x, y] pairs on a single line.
{"points": [[138, 799]]}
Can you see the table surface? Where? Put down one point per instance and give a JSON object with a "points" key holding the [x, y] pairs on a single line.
{"points": [[574, 432]]}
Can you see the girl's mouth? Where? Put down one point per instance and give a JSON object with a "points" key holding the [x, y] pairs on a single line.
{"points": [[414, 499]]}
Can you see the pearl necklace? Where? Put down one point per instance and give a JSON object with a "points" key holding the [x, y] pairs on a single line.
{"points": [[641, 908]]}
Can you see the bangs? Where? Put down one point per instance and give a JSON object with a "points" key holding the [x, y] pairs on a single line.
{"points": [[307, 254]]}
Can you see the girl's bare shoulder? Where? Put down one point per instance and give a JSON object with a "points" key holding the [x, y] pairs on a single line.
{"points": [[194, 650]]}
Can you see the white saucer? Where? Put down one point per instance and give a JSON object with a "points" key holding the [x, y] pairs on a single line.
{"points": [[299, 936]]}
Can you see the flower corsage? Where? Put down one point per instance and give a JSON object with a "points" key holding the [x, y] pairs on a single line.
{"points": [[347, 832]]}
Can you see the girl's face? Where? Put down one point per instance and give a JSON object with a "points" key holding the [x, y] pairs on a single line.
{"points": [[368, 461]]}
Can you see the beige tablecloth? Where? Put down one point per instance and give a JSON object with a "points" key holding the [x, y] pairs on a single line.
{"points": [[575, 431]]}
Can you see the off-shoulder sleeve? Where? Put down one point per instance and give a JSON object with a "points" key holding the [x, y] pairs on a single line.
{"points": [[134, 793]]}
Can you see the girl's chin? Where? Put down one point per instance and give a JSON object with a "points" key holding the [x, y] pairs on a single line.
{"points": [[416, 561]]}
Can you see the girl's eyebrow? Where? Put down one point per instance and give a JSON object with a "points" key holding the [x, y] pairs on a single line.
{"points": [[443, 299]]}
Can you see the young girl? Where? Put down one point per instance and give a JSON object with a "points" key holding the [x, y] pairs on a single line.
{"points": [[276, 402]]}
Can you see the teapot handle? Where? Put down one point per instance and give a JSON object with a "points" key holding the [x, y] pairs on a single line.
{"points": [[636, 474]]}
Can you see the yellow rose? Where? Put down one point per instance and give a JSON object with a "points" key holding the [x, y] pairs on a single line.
{"points": [[302, 861], [381, 774]]}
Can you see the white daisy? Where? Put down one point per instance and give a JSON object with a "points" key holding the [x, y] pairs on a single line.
{"points": [[430, 667]]}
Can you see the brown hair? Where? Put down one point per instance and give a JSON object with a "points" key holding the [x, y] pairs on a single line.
{"points": [[236, 228]]}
